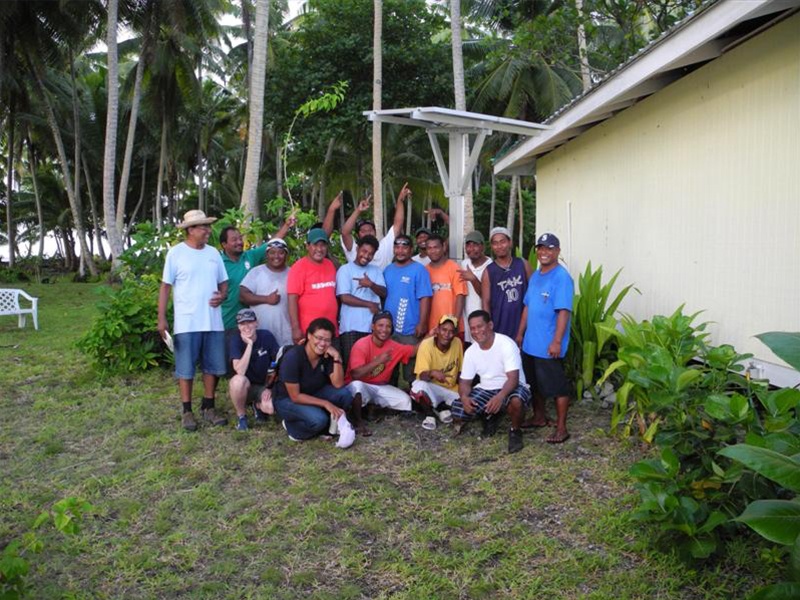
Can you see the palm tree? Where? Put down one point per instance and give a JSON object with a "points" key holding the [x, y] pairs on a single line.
{"points": [[460, 93], [109, 158], [377, 86], [256, 105]]}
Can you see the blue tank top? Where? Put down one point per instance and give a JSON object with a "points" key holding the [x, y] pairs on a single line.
{"points": [[507, 290]]}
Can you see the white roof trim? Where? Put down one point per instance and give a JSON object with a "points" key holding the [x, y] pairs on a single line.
{"points": [[434, 117], [694, 40]]}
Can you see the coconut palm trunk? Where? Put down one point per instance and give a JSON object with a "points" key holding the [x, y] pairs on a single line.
{"points": [[460, 94], [36, 194], [110, 153], [74, 205], [11, 230], [377, 92], [256, 105]]}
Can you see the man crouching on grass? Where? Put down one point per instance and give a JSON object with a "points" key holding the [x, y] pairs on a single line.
{"points": [[496, 358], [253, 352]]}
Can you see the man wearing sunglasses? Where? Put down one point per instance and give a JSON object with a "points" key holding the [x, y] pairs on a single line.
{"points": [[408, 297]]}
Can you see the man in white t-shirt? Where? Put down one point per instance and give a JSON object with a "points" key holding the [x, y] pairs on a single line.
{"points": [[264, 290], [362, 227], [472, 268], [196, 276], [496, 359]]}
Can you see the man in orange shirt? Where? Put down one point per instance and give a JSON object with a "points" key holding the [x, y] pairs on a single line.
{"points": [[449, 291]]}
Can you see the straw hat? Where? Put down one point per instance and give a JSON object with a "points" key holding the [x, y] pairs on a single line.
{"points": [[195, 217]]}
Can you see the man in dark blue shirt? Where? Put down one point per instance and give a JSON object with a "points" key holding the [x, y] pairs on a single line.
{"points": [[253, 353]]}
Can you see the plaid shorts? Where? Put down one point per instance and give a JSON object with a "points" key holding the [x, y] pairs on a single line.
{"points": [[480, 397]]}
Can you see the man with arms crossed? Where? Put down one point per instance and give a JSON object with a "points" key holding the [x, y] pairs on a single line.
{"points": [[194, 273], [495, 357]]}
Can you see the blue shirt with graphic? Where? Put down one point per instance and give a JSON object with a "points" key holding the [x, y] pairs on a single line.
{"points": [[405, 287]]}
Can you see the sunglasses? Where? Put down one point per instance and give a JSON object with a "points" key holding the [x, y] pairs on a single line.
{"points": [[402, 243]]}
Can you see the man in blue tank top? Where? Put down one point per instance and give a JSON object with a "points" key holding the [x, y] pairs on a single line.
{"points": [[503, 284]]}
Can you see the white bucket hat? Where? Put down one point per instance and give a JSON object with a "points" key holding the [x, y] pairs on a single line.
{"points": [[195, 217]]}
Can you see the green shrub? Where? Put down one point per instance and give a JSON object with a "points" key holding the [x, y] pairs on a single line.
{"points": [[66, 516], [124, 338], [592, 349], [773, 452]]}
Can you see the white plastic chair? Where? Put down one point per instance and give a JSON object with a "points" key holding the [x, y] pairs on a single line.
{"points": [[9, 305]]}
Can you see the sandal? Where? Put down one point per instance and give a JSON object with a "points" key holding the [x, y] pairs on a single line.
{"points": [[429, 423]]}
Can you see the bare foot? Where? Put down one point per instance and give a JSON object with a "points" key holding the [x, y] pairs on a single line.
{"points": [[536, 423], [559, 436]]}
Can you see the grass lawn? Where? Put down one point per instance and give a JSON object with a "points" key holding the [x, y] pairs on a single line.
{"points": [[406, 513]]}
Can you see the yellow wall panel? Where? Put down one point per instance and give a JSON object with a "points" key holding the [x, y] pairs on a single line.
{"points": [[695, 193]]}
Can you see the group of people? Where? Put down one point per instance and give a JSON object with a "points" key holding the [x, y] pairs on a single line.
{"points": [[316, 344]]}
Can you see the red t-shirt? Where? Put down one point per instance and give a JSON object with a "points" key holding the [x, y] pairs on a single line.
{"points": [[365, 351], [315, 286]]}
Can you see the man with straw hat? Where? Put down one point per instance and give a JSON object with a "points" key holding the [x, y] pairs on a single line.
{"points": [[194, 273]]}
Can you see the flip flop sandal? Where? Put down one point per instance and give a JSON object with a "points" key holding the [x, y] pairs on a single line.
{"points": [[445, 416], [557, 439], [429, 423]]}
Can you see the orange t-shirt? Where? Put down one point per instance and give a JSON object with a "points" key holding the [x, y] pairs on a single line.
{"points": [[446, 285]]}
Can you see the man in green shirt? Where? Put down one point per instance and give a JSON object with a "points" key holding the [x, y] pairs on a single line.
{"points": [[238, 263]]}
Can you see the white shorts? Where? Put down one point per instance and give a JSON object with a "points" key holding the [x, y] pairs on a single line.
{"points": [[384, 395], [435, 392]]}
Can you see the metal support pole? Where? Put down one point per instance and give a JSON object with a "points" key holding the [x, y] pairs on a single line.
{"points": [[459, 150]]}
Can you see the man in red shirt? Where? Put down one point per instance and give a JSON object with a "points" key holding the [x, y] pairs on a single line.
{"points": [[311, 287], [372, 360]]}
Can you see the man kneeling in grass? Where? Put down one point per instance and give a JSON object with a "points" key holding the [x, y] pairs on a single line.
{"points": [[252, 352], [372, 360], [439, 360], [496, 358]]}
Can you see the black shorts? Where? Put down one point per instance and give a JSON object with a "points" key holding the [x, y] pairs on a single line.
{"points": [[546, 376]]}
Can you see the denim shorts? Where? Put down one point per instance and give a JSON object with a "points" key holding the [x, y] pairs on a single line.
{"points": [[205, 347]]}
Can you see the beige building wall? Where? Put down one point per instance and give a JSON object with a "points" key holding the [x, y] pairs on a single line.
{"points": [[695, 193]]}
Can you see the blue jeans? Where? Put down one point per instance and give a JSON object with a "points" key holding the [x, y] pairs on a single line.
{"points": [[304, 421], [205, 347]]}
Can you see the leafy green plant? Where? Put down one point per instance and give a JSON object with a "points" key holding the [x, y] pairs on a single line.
{"points": [[776, 455], [653, 366], [125, 338], [592, 349], [66, 516], [325, 102]]}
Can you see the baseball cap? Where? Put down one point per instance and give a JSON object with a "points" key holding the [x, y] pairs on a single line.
{"points": [[503, 230], [381, 314], [474, 236], [452, 318], [362, 222], [317, 235], [277, 243], [422, 230], [549, 240], [246, 315]]}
